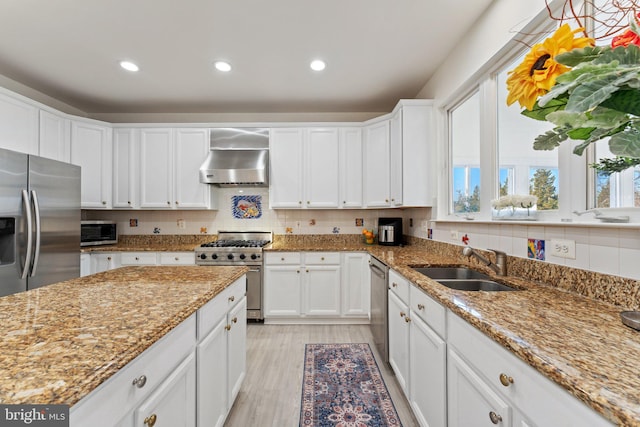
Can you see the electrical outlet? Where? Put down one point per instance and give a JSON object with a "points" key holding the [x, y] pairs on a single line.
{"points": [[454, 235], [181, 224], [562, 248]]}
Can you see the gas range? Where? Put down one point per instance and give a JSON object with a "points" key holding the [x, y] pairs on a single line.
{"points": [[234, 248]]}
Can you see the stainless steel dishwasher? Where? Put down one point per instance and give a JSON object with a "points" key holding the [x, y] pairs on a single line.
{"points": [[379, 307]]}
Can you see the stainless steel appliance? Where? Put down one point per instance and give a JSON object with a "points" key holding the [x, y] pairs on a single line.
{"points": [[237, 156], [379, 307], [240, 248], [390, 231], [93, 233], [39, 222]]}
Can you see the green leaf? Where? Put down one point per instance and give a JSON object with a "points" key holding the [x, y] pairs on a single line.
{"points": [[626, 144], [627, 101], [617, 164], [579, 149], [567, 119], [590, 94], [550, 139], [629, 55], [540, 113], [581, 133], [577, 56]]}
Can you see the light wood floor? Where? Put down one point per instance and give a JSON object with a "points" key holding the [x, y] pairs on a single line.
{"points": [[271, 392]]}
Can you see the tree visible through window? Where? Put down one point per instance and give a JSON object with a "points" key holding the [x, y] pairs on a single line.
{"points": [[543, 185]]}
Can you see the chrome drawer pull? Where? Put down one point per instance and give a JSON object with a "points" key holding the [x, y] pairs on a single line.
{"points": [[506, 380], [420, 306], [140, 381], [495, 418], [150, 421]]}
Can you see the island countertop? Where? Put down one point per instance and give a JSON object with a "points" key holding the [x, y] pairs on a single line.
{"points": [[61, 341], [577, 342]]}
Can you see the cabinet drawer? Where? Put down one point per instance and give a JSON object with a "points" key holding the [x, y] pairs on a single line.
{"points": [[426, 308], [119, 394], [138, 258], [536, 396], [399, 286], [321, 258], [210, 314], [177, 258], [275, 258]]}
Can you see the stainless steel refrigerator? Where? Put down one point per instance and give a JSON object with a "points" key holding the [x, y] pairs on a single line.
{"points": [[39, 222]]}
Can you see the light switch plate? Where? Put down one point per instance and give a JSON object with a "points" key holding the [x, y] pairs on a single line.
{"points": [[562, 248]]}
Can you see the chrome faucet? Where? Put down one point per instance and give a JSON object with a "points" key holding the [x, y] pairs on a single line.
{"points": [[500, 266]]}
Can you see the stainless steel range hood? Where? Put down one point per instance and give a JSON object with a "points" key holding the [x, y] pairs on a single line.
{"points": [[238, 157]]}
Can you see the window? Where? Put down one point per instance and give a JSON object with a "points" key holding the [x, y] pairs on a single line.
{"points": [[523, 170], [618, 190], [464, 137]]}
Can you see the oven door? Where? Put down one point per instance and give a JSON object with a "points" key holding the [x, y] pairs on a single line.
{"points": [[254, 293]]}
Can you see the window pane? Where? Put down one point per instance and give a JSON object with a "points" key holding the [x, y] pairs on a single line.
{"points": [[544, 185], [618, 190], [516, 156], [464, 128]]}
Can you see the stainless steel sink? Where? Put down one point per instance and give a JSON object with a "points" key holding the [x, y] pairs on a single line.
{"points": [[475, 285], [437, 273], [462, 279]]}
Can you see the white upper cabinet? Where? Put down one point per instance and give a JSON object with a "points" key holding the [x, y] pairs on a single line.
{"points": [[285, 170], [55, 137], [321, 176], [170, 160], [350, 167], [418, 153], [191, 148], [126, 151], [18, 125], [91, 149], [376, 165], [156, 172], [395, 158]]}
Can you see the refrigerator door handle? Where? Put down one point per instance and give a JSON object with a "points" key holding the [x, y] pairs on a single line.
{"points": [[36, 210], [27, 210]]}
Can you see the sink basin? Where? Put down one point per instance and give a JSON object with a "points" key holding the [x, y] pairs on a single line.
{"points": [[475, 285], [450, 273]]}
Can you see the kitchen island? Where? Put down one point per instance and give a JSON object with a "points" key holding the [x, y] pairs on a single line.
{"points": [[62, 341]]}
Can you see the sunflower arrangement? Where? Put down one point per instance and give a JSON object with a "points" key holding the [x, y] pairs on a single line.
{"points": [[588, 92]]}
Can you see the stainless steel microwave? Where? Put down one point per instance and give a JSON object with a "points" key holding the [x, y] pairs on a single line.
{"points": [[98, 233]]}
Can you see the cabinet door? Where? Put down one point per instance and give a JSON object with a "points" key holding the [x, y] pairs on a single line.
{"points": [[321, 175], [285, 171], [18, 125], [428, 367], [395, 158], [282, 291], [91, 149], [419, 160], [104, 262], [322, 290], [376, 166], [212, 377], [156, 168], [236, 349], [191, 148], [55, 137], [351, 168], [174, 402], [471, 402], [399, 341], [85, 264], [125, 168], [356, 284]]}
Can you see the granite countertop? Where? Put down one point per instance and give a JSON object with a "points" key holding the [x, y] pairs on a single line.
{"points": [[578, 342], [61, 341]]}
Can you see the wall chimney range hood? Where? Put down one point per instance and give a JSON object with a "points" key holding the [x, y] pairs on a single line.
{"points": [[237, 157]]}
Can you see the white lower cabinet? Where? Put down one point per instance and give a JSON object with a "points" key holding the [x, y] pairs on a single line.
{"points": [[104, 261], [312, 286], [85, 264], [399, 340], [221, 354]]}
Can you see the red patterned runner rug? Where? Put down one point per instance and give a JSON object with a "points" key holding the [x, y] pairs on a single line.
{"points": [[342, 387]]}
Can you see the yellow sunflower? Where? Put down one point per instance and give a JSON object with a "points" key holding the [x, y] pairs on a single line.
{"points": [[537, 73]]}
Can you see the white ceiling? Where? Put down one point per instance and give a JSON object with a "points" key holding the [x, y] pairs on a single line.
{"points": [[377, 51]]}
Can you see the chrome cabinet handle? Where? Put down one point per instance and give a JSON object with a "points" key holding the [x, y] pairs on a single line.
{"points": [[394, 285], [108, 258], [402, 314], [29, 253], [140, 381], [227, 327], [495, 418], [506, 380], [234, 320], [232, 298], [104, 203], [420, 306], [407, 319]]}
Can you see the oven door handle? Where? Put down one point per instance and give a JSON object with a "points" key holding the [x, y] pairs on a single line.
{"points": [[256, 270]]}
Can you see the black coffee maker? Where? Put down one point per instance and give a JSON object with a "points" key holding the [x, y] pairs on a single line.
{"points": [[390, 231]]}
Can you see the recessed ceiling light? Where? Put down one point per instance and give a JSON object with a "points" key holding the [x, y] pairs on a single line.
{"points": [[129, 66], [223, 66], [317, 65]]}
